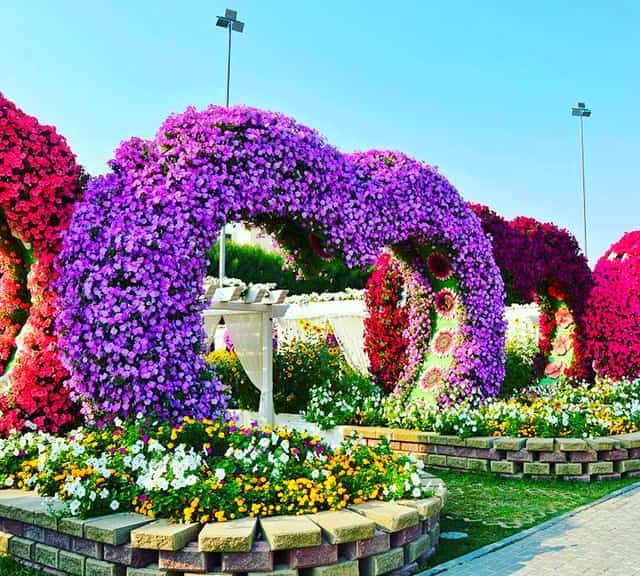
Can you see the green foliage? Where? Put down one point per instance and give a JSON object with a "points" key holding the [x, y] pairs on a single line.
{"points": [[254, 265], [9, 567], [298, 363], [519, 366], [351, 399]]}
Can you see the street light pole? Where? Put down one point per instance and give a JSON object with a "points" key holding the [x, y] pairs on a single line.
{"points": [[582, 112], [231, 22]]}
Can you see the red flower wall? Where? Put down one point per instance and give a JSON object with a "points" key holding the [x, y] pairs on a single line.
{"points": [[39, 184]]}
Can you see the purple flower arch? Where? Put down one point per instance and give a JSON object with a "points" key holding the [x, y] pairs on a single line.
{"points": [[134, 258]]}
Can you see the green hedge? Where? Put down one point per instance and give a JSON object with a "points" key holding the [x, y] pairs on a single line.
{"points": [[252, 264]]}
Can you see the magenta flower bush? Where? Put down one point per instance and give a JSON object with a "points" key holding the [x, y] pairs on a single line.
{"points": [[613, 310], [134, 258], [543, 263]]}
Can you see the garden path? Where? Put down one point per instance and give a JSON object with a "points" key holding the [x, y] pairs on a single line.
{"points": [[598, 540]]}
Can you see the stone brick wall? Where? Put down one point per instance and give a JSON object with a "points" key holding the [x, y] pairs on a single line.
{"points": [[543, 458], [366, 540]]}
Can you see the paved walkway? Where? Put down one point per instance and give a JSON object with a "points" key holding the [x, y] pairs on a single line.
{"points": [[602, 540]]}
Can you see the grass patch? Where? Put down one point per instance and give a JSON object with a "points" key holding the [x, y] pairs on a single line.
{"points": [[9, 567], [489, 508]]}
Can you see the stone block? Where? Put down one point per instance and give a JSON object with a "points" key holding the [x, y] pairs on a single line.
{"points": [[162, 535], [414, 447], [71, 526], [614, 455], [382, 563], [410, 436], [612, 476], [572, 444], [537, 468], [87, 548], [316, 556], [344, 526], [259, 559], [629, 440], [46, 555], [4, 543], [417, 548], [71, 563], [188, 559], [628, 465], [13, 527], [426, 507], [22, 548], [540, 444], [599, 467], [568, 468], [603, 443], [406, 570], [57, 540], [94, 567], [114, 529], [234, 536], [510, 444], [477, 465], [520, 456], [506, 467], [480, 442], [35, 533], [577, 478], [446, 440], [346, 568], [399, 539], [446, 450], [552, 457], [435, 460], [381, 542], [286, 532], [154, 570], [632, 474], [583, 456], [280, 570], [387, 515], [634, 453], [456, 462], [129, 556]]}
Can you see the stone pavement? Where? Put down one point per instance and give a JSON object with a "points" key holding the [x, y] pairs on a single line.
{"points": [[600, 540]]}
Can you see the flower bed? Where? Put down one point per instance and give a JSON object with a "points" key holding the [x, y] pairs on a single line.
{"points": [[202, 471], [370, 538], [582, 459], [560, 409]]}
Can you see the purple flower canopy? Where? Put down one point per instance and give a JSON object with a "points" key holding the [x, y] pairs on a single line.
{"points": [[135, 255]]}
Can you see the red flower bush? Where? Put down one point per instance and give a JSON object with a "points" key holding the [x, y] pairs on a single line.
{"points": [[543, 263], [384, 338], [613, 311], [39, 184]]}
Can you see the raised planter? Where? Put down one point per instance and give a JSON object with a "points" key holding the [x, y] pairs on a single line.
{"points": [[585, 459], [368, 539]]}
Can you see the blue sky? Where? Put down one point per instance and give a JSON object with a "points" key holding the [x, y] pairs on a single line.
{"points": [[482, 89]]}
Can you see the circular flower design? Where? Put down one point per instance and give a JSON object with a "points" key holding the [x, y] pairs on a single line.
{"points": [[39, 183], [439, 266], [542, 263], [446, 302], [432, 379], [443, 342]]}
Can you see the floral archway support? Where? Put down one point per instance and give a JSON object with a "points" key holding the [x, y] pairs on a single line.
{"points": [[39, 184], [134, 259]]}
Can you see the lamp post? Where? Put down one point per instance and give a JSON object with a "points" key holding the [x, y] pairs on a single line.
{"points": [[230, 22], [582, 112]]}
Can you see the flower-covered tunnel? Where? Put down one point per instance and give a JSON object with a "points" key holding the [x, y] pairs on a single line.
{"points": [[135, 256]]}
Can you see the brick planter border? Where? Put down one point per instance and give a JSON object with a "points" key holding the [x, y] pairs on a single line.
{"points": [[367, 539], [587, 459]]}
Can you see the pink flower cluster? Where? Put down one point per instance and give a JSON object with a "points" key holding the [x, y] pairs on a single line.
{"points": [[39, 184], [613, 311]]}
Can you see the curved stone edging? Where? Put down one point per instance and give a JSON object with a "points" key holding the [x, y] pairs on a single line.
{"points": [[365, 540], [608, 457]]}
